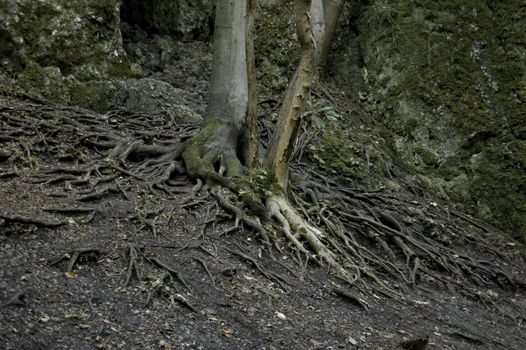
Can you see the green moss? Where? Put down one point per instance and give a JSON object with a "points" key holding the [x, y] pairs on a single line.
{"points": [[427, 156], [339, 154], [276, 48], [91, 94], [441, 72], [46, 83], [122, 68], [496, 173]]}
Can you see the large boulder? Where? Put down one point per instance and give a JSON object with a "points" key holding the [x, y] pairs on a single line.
{"points": [[138, 96]]}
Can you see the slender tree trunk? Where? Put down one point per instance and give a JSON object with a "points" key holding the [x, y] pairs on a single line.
{"points": [[281, 144], [317, 25]]}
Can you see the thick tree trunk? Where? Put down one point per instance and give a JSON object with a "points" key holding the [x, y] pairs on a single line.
{"points": [[213, 153], [280, 146], [228, 97]]}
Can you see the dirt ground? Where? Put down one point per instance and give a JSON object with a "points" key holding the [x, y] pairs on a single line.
{"points": [[132, 270]]}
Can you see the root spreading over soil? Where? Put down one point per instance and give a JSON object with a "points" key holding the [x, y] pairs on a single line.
{"points": [[371, 242]]}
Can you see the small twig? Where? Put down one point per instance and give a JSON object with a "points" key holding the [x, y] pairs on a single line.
{"points": [[160, 263], [201, 261]]}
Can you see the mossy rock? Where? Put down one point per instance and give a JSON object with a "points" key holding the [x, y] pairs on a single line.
{"points": [[148, 96], [276, 46], [49, 46], [444, 80]]}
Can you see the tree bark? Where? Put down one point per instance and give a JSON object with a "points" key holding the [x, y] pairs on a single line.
{"points": [[281, 144], [213, 153], [228, 97]]}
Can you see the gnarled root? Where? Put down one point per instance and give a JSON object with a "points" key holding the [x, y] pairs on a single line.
{"points": [[211, 154], [296, 228]]}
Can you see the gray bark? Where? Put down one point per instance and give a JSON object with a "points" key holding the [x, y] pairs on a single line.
{"points": [[228, 97]]}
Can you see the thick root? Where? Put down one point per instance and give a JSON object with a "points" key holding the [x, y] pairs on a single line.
{"points": [[295, 227], [211, 154]]}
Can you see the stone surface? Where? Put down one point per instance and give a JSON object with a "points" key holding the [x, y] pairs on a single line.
{"points": [[187, 19], [446, 81], [78, 38], [142, 96]]}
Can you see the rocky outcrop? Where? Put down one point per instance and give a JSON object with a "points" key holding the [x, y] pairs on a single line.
{"points": [[72, 52], [49, 45], [446, 80]]}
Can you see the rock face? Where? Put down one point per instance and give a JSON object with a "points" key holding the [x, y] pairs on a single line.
{"points": [[446, 80], [66, 34], [186, 19], [50, 44], [72, 51]]}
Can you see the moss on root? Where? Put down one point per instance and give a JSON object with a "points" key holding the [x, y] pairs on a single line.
{"points": [[211, 153]]}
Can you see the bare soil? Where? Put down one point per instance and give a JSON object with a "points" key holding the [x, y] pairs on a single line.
{"points": [[135, 270]]}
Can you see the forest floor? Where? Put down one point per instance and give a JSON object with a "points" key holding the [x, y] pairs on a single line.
{"points": [[131, 269], [109, 261]]}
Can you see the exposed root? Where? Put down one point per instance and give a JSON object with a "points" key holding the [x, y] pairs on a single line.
{"points": [[355, 299], [73, 257], [271, 276], [369, 239], [161, 286], [24, 219], [170, 269], [133, 265], [205, 266]]}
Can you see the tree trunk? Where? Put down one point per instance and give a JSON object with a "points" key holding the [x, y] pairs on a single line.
{"points": [[228, 97], [213, 153], [280, 146], [250, 139]]}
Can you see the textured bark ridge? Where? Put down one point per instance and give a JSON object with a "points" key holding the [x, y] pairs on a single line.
{"points": [[280, 147]]}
